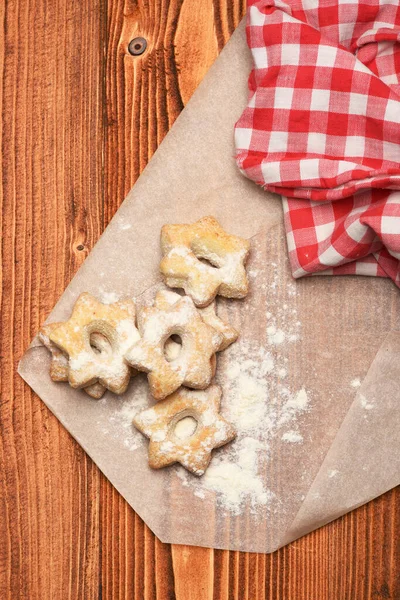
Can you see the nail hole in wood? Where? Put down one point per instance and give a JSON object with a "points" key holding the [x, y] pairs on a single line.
{"points": [[80, 247], [137, 46]]}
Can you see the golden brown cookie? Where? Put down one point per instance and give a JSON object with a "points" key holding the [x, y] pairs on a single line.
{"points": [[95, 391], [185, 428], [116, 323], [165, 298], [59, 361], [204, 260], [192, 366]]}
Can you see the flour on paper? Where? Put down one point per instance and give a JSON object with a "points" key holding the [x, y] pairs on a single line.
{"points": [[293, 437], [120, 422], [365, 403], [123, 224], [263, 408], [107, 297], [356, 382]]}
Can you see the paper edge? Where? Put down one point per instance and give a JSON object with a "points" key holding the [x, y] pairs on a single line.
{"points": [[290, 535]]}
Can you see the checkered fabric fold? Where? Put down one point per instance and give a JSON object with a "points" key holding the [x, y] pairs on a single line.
{"points": [[322, 128]]}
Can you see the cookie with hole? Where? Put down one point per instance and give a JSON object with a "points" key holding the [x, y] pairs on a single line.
{"points": [[204, 260], [59, 365], [185, 428], [192, 367], [105, 363], [165, 298]]}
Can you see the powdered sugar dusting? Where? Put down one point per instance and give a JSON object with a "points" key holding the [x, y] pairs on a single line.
{"points": [[81, 360], [294, 437], [127, 334], [356, 382], [263, 410], [107, 297], [120, 421], [260, 402], [238, 481], [297, 402], [275, 336], [179, 251], [365, 403], [259, 399]]}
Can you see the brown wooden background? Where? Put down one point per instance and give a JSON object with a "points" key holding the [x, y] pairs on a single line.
{"points": [[80, 120]]}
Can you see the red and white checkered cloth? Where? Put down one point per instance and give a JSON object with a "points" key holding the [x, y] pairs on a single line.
{"points": [[322, 128]]}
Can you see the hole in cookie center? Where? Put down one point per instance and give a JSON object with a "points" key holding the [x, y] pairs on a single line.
{"points": [[100, 344], [172, 347], [207, 262], [185, 428]]}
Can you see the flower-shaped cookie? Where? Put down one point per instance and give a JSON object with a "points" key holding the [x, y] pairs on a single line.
{"points": [[166, 298], [204, 260], [59, 360], [192, 367], [116, 323], [185, 428]]}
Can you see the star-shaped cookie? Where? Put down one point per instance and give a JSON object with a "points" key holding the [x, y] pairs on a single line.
{"points": [[204, 260], [185, 428], [59, 360], [192, 367], [116, 323], [166, 298]]}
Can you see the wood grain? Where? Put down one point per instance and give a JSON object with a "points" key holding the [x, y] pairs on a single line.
{"points": [[52, 132], [80, 119]]}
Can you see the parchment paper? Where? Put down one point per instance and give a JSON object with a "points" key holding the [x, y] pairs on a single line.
{"points": [[311, 385]]}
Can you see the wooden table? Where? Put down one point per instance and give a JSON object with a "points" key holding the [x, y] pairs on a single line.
{"points": [[81, 117]]}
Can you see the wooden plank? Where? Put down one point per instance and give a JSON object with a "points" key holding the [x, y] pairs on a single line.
{"points": [[194, 572], [75, 105], [52, 128]]}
